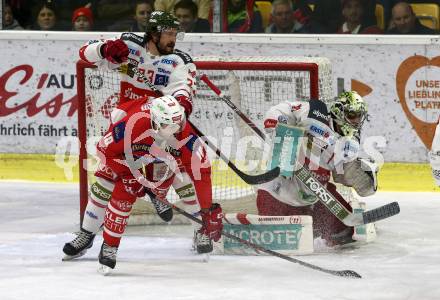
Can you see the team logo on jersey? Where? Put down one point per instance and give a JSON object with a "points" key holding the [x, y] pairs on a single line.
{"points": [[320, 115], [161, 70], [161, 80], [118, 132], [319, 131], [282, 119], [134, 51], [296, 107], [167, 61]]}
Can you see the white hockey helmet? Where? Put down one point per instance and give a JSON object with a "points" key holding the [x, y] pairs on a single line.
{"points": [[167, 116]]}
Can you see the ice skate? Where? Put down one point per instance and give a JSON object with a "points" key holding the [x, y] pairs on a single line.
{"points": [[107, 259], [78, 247]]}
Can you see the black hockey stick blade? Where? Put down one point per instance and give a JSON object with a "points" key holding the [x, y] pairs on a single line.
{"points": [[257, 179], [381, 213]]}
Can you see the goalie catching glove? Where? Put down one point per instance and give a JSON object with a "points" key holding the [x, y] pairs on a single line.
{"points": [[115, 51], [212, 219], [361, 174]]}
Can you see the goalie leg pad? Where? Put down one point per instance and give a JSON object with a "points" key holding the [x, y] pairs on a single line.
{"points": [[268, 205], [327, 225]]}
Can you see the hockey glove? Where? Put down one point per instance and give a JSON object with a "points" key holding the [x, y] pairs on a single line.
{"points": [[212, 222], [115, 51], [133, 186], [185, 102]]}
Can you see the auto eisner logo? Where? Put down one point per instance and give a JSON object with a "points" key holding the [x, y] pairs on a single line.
{"points": [[319, 114]]}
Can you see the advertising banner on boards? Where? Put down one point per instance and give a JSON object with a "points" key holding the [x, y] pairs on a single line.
{"points": [[399, 79]]}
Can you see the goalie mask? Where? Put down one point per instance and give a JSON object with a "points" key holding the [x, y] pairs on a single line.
{"points": [[161, 22], [167, 116], [349, 112]]}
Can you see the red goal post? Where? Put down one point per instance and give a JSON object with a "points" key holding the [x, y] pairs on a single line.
{"points": [[252, 83]]}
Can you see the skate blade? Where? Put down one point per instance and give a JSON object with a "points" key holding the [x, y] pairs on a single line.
{"points": [[71, 257], [104, 270]]}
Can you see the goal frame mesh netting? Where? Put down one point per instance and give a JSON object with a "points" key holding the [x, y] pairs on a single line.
{"points": [[251, 83]]}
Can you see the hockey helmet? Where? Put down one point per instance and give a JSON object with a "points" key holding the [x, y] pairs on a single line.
{"points": [[161, 21], [349, 111], [167, 116]]}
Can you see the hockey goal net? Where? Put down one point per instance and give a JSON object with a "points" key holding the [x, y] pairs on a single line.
{"points": [[253, 84]]}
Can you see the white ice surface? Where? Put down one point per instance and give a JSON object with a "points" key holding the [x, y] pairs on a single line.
{"points": [[156, 262]]}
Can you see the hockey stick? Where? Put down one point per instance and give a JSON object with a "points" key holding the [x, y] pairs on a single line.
{"points": [[316, 187], [249, 179], [342, 273]]}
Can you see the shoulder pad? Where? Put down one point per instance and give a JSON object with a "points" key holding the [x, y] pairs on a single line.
{"points": [[184, 56], [318, 111], [128, 36]]}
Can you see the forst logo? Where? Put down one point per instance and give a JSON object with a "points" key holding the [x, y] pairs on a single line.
{"points": [[315, 187]]}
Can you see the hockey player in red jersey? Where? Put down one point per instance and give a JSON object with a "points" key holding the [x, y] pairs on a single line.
{"points": [[148, 148], [321, 155], [170, 70]]}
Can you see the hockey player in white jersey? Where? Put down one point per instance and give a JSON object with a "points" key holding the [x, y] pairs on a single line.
{"points": [[324, 157], [170, 70], [434, 154]]}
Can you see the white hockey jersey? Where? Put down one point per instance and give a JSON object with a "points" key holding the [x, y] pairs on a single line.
{"points": [[173, 74], [314, 117], [434, 154]]}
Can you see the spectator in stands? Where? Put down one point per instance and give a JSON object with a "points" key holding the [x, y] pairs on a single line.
{"points": [[22, 11], [142, 11], [186, 12], [115, 15], [282, 17], [287, 20], [353, 12], [168, 5], [241, 16], [9, 22], [46, 17], [82, 19], [328, 13], [404, 21]]}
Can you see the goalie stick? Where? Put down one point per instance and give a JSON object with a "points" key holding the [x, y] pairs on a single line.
{"points": [[249, 179], [316, 187], [341, 273]]}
